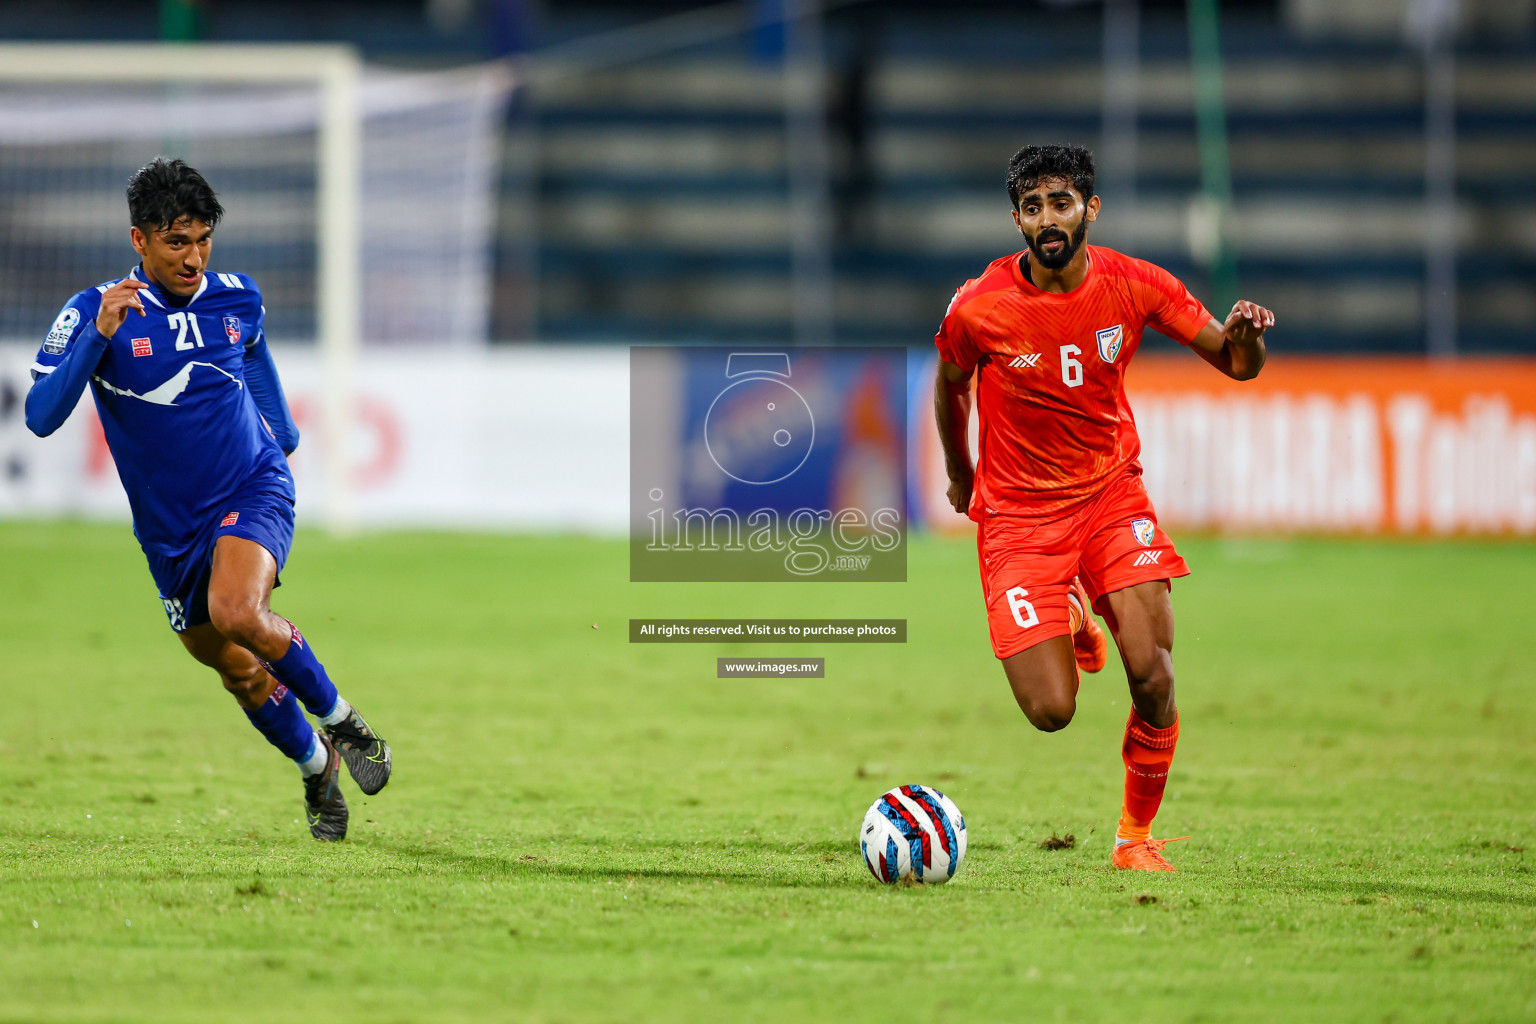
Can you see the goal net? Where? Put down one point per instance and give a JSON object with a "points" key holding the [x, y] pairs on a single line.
{"points": [[362, 200]]}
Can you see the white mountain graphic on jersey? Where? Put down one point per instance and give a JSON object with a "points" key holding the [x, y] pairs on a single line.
{"points": [[167, 393]]}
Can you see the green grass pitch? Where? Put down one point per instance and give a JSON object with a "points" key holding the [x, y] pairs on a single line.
{"points": [[584, 830]]}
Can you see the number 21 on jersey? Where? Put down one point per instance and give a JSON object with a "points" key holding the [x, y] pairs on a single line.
{"points": [[181, 321]]}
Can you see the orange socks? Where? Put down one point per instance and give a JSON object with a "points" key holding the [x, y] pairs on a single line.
{"points": [[1147, 753]]}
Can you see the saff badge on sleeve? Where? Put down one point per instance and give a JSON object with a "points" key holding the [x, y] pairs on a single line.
{"points": [[1111, 339]]}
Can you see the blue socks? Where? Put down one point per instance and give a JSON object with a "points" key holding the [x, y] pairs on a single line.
{"points": [[283, 724], [302, 673], [301, 677]]}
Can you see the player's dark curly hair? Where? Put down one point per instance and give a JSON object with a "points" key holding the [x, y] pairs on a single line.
{"points": [[163, 191], [1034, 164]]}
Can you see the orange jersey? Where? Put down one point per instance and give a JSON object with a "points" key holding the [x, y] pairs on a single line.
{"points": [[1050, 388]]}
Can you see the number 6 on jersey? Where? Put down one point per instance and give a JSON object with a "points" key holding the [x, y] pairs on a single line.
{"points": [[1071, 369]]}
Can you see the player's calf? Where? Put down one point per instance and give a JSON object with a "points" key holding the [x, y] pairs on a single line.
{"points": [[239, 670], [1141, 618], [248, 684], [1151, 688]]}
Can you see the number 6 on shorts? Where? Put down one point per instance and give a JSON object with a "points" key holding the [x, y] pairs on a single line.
{"points": [[1016, 600]]}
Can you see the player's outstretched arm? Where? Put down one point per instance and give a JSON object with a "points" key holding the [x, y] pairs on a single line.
{"points": [[952, 413], [54, 395], [1236, 348], [267, 392]]}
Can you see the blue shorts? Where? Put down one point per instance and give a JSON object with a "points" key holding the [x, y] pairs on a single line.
{"points": [[261, 516]]}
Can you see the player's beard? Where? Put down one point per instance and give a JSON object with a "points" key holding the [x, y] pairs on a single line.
{"points": [[1061, 259]]}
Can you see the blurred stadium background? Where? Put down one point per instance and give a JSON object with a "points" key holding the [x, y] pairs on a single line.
{"points": [[540, 185]]}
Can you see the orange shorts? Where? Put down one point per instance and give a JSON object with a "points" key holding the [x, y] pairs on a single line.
{"points": [[1112, 541]]}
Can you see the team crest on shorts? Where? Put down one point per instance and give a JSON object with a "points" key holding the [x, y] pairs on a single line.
{"points": [[1110, 341], [232, 328], [1143, 529]]}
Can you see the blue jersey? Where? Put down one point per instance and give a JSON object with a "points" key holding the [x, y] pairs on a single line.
{"points": [[175, 404]]}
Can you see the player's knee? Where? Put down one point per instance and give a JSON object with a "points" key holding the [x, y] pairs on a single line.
{"points": [[1050, 715], [237, 619]]}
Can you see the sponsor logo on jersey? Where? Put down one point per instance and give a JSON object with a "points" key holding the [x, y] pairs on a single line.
{"points": [[1025, 361], [141, 347], [1110, 341], [58, 334], [232, 328], [1143, 530], [1147, 558], [231, 519]]}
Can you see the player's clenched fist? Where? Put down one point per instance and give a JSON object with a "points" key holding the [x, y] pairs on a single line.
{"points": [[960, 486], [1248, 321], [115, 304], [960, 495]]}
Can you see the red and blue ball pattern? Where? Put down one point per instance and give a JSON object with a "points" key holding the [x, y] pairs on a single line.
{"points": [[913, 832]]}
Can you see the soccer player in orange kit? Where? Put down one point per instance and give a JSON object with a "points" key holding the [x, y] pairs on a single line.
{"points": [[1056, 492]]}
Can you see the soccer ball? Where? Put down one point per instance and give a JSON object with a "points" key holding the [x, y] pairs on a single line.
{"points": [[913, 832]]}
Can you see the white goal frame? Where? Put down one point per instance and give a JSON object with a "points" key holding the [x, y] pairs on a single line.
{"points": [[335, 70]]}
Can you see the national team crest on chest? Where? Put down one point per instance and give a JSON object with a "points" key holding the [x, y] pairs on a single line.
{"points": [[232, 328], [1111, 339]]}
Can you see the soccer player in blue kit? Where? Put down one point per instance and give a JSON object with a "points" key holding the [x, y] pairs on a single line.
{"points": [[195, 417]]}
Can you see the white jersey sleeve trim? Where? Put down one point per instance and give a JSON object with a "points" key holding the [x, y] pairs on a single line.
{"points": [[41, 370]]}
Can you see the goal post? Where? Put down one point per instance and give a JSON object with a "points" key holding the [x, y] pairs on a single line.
{"points": [[335, 72]]}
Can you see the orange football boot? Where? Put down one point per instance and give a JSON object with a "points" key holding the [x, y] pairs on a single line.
{"points": [[1088, 644], [1144, 855]]}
